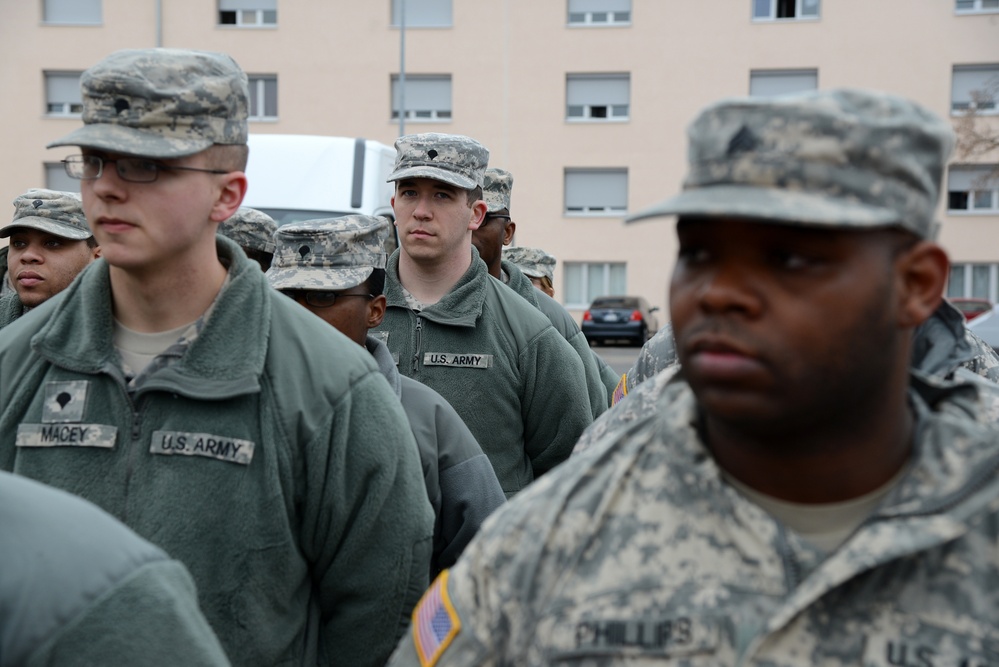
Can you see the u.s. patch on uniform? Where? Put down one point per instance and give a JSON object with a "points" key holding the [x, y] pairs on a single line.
{"points": [[620, 391], [435, 622]]}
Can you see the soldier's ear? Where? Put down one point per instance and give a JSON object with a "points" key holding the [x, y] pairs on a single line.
{"points": [[231, 192], [376, 310], [511, 229], [921, 272]]}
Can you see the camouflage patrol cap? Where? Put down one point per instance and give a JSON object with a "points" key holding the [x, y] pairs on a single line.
{"points": [[533, 262], [161, 103], [328, 254], [451, 158], [496, 189], [250, 228], [51, 211], [841, 158]]}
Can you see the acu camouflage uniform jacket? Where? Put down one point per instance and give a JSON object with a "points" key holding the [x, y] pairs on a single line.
{"points": [[637, 552]]}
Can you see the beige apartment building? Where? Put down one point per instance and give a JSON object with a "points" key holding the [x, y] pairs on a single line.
{"points": [[585, 101]]}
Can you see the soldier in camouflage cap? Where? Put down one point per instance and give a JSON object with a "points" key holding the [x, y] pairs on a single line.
{"points": [[536, 264], [793, 496], [50, 243], [474, 334], [171, 370], [328, 254], [495, 232], [254, 231], [335, 268]]}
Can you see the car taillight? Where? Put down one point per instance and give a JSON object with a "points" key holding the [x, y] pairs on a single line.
{"points": [[636, 316], [587, 317]]}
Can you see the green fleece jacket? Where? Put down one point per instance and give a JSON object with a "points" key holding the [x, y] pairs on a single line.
{"points": [[11, 308], [567, 327], [512, 378], [79, 588], [272, 459]]}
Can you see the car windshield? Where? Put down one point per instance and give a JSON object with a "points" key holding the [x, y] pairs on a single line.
{"points": [[615, 302]]}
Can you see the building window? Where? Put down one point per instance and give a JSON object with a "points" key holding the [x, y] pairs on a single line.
{"points": [[785, 10], [263, 97], [596, 191], [72, 12], [976, 6], [973, 281], [973, 189], [599, 12], [768, 83], [974, 87], [423, 13], [62, 94], [597, 97], [585, 281], [56, 178], [428, 97], [248, 13]]}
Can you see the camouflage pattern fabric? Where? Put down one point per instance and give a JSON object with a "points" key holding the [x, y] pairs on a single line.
{"points": [[173, 354], [843, 158], [50, 211], [496, 189], [162, 103], [533, 262], [658, 353], [639, 552], [329, 254], [250, 228], [451, 158]]}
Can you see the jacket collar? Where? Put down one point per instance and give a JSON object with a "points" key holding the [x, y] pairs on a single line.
{"points": [[386, 366], [226, 359], [461, 306], [519, 282]]}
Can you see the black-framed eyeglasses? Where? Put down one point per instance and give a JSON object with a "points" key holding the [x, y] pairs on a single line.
{"points": [[319, 298], [131, 169]]}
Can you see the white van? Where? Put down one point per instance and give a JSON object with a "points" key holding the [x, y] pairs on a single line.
{"points": [[296, 177]]}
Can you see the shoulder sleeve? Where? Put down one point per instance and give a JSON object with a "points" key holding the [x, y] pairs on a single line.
{"points": [[149, 618], [556, 405], [365, 486]]}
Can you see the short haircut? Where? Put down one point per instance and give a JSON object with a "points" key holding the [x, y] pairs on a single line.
{"points": [[474, 195], [375, 283], [227, 157], [91, 242]]}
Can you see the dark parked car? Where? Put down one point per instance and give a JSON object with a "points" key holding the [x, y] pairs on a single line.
{"points": [[620, 318], [971, 307]]}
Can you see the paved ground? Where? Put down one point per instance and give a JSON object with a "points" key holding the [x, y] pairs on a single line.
{"points": [[619, 357]]}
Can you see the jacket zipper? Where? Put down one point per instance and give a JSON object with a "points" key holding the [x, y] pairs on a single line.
{"points": [[419, 343]]}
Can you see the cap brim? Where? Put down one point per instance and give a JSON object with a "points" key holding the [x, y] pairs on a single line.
{"points": [[768, 204], [115, 138], [46, 225], [444, 175], [297, 277]]}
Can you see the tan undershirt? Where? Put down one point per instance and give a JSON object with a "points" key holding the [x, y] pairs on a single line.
{"points": [[825, 525], [138, 349]]}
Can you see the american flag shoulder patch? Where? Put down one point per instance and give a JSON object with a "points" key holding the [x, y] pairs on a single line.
{"points": [[621, 390], [435, 622]]}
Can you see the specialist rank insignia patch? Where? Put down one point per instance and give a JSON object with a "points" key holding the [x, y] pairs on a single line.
{"points": [[64, 401], [435, 622]]}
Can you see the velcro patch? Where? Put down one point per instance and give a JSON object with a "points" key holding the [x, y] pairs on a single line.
{"points": [[658, 636], [435, 622], [458, 360], [64, 401], [218, 447], [66, 435]]}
